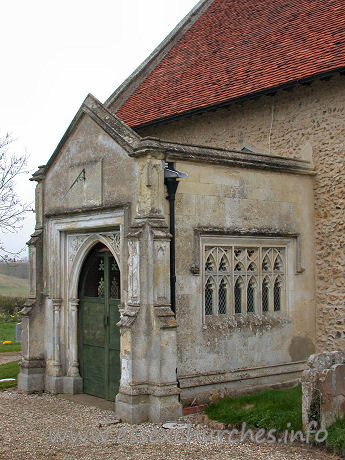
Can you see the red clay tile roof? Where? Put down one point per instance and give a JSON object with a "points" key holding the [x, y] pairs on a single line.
{"points": [[240, 47]]}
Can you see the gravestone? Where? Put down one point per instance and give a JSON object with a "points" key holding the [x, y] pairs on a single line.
{"points": [[323, 389], [19, 332]]}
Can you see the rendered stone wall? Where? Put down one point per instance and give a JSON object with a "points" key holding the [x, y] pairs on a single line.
{"points": [[305, 122], [323, 387], [110, 173], [215, 354]]}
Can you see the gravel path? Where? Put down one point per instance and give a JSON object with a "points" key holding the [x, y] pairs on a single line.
{"points": [[9, 356], [26, 422]]}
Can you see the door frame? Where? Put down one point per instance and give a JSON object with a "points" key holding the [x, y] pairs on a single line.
{"points": [[68, 240]]}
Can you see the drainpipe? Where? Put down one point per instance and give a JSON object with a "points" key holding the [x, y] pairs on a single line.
{"points": [[170, 179]]}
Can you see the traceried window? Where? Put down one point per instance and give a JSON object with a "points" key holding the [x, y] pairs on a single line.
{"points": [[217, 283], [243, 279], [265, 294], [114, 279], [222, 298], [209, 292]]}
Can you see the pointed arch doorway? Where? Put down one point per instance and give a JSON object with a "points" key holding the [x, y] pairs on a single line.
{"points": [[99, 337]]}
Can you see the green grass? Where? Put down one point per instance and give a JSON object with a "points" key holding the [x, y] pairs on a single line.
{"points": [[8, 370], [265, 409], [13, 287], [10, 347], [8, 332], [336, 437], [270, 409]]}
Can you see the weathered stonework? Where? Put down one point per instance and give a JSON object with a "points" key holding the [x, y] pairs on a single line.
{"points": [[304, 122], [269, 204], [323, 387], [105, 185], [102, 200]]}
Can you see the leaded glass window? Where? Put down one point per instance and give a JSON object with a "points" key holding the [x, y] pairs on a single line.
{"points": [[273, 268], [114, 279], [222, 298], [240, 280], [209, 297], [94, 278], [265, 295], [223, 266], [238, 295], [277, 294], [251, 295], [210, 264], [217, 281]]}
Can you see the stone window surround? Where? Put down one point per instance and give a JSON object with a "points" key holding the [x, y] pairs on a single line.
{"points": [[289, 244]]}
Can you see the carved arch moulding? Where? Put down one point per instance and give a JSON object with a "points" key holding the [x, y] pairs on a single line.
{"points": [[68, 241], [76, 241]]}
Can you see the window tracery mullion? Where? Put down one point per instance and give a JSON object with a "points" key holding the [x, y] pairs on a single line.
{"points": [[254, 264]]}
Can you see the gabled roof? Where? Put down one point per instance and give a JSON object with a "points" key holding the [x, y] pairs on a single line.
{"points": [[135, 145], [229, 49], [111, 124]]}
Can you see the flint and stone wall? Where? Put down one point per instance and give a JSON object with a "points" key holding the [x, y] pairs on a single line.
{"points": [[305, 122]]}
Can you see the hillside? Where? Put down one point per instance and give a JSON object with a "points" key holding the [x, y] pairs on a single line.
{"points": [[13, 287], [19, 269]]}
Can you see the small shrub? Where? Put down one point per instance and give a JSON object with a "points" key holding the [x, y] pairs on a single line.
{"points": [[8, 334], [10, 308]]}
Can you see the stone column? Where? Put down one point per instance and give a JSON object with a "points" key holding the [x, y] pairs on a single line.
{"points": [[53, 378], [73, 383], [56, 321], [32, 365], [148, 387]]}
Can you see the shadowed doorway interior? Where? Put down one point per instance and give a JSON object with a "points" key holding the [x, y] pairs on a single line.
{"points": [[99, 337]]}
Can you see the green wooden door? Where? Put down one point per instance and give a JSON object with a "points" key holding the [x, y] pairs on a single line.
{"points": [[100, 337]]}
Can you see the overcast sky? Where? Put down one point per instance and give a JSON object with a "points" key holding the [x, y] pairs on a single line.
{"points": [[56, 52]]}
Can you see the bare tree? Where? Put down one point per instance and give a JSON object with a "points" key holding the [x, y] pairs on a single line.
{"points": [[12, 209]]}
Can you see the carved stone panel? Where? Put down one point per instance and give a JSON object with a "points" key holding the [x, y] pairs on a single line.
{"points": [[151, 186], [161, 273], [32, 271], [133, 272], [114, 241], [74, 244]]}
